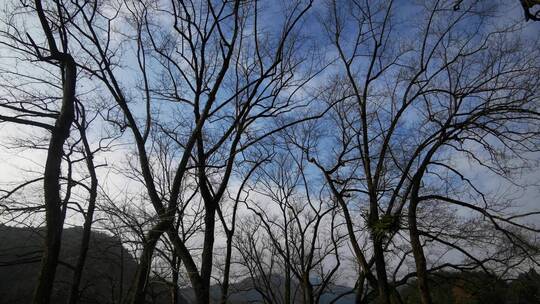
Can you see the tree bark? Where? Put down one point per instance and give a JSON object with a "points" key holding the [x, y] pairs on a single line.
{"points": [[175, 290], [308, 290], [53, 202], [378, 254], [225, 286], [380, 268], [288, 299], [418, 252], [51, 180], [87, 226], [137, 291], [358, 299], [202, 292]]}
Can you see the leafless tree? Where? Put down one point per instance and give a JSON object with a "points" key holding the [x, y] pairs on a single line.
{"points": [[299, 221], [50, 47], [210, 79], [236, 121], [413, 107]]}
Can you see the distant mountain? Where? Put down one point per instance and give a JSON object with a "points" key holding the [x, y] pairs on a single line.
{"points": [[108, 270], [246, 291]]}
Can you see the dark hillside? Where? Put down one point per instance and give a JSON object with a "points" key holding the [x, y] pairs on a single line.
{"points": [[108, 271]]}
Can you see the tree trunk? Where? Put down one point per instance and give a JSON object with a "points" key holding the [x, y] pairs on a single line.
{"points": [[360, 289], [176, 268], [87, 227], [308, 290], [380, 267], [226, 273], [202, 292], [378, 253], [418, 252], [288, 299], [137, 291], [121, 291], [51, 184]]}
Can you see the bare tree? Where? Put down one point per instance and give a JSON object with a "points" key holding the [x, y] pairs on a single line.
{"points": [[410, 104], [53, 51], [210, 65], [300, 223], [238, 121]]}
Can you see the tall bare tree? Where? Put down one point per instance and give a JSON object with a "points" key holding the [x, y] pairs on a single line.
{"points": [[53, 50], [209, 79], [279, 132], [414, 97], [300, 224]]}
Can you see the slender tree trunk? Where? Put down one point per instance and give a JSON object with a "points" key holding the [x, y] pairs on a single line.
{"points": [[380, 268], [51, 184], [418, 252], [226, 273], [288, 283], [288, 298], [308, 290], [121, 292], [87, 227], [176, 267], [360, 289], [202, 292], [137, 291], [184, 255], [378, 254]]}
